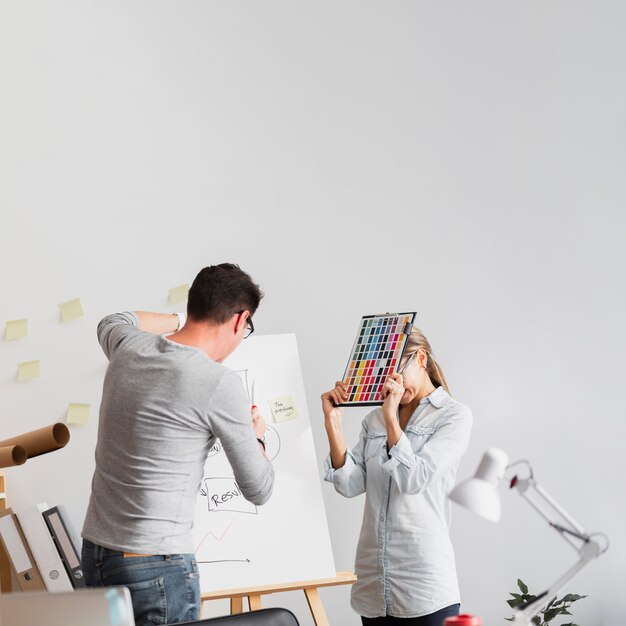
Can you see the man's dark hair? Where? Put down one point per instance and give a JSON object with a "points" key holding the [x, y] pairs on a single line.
{"points": [[220, 291]]}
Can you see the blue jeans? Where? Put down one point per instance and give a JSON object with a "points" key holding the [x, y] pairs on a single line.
{"points": [[165, 588]]}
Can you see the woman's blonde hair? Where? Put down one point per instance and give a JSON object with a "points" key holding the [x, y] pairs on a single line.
{"points": [[415, 341]]}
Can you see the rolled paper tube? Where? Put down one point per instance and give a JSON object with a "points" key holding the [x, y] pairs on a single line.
{"points": [[41, 441], [12, 455]]}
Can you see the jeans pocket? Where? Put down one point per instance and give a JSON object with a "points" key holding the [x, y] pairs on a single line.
{"points": [[149, 602]]}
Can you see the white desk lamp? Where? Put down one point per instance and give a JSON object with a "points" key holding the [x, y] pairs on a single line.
{"points": [[479, 494]]}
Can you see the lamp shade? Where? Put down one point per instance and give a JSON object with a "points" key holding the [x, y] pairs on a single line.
{"points": [[479, 494]]}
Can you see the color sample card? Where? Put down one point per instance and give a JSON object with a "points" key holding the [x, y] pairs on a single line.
{"points": [[27, 370], [178, 294], [71, 310], [375, 356], [16, 329]]}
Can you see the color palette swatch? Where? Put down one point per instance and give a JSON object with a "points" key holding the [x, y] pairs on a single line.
{"points": [[376, 355]]}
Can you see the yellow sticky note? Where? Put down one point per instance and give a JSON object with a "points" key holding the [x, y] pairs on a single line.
{"points": [[179, 294], [283, 409], [27, 370], [16, 329], [71, 309], [77, 413]]}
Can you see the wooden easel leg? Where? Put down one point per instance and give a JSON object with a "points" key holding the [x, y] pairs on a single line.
{"points": [[316, 606], [5, 572], [254, 602], [5, 565], [236, 605]]}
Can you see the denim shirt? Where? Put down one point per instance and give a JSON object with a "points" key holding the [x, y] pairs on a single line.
{"points": [[405, 562]]}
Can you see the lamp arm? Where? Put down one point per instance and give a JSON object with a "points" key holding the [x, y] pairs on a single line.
{"points": [[588, 547], [547, 506], [559, 509], [590, 550]]}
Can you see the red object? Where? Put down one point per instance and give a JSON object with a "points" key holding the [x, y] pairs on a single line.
{"points": [[463, 620]]}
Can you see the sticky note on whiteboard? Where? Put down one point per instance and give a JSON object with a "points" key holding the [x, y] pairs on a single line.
{"points": [[178, 294], [27, 370], [71, 309], [77, 413], [16, 329], [283, 409]]}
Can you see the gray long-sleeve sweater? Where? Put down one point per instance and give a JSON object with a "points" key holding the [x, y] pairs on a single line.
{"points": [[163, 405]]}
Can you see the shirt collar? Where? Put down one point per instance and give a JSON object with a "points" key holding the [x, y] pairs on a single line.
{"points": [[437, 398]]}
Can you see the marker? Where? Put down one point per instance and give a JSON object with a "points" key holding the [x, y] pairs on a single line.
{"points": [[407, 363]]}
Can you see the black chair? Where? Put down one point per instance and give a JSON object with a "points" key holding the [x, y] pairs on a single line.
{"points": [[263, 617]]}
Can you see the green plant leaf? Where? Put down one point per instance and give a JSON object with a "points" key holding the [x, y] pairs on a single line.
{"points": [[550, 614], [514, 603], [553, 609], [572, 597]]}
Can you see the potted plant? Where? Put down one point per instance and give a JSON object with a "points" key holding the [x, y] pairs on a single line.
{"points": [[552, 611]]}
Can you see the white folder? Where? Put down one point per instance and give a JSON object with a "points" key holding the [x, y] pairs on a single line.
{"points": [[44, 551], [23, 567]]}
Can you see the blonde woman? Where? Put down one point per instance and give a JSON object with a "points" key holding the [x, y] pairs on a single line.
{"points": [[405, 462]]}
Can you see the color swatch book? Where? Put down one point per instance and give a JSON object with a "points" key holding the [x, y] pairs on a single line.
{"points": [[376, 355]]}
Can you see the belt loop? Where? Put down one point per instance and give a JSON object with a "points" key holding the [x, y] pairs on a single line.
{"points": [[98, 555]]}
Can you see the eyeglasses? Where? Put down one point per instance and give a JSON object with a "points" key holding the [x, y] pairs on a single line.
{"points": [[408, 362], [250, 328]]}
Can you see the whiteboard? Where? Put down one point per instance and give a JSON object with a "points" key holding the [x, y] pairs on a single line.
{"points": [[238, 544]]}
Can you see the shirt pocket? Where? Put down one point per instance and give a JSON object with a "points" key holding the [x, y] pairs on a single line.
{"points": [[419, 435], [373, 444]]}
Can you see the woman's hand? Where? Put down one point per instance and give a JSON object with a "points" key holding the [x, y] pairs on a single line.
{"points": [[391, 394], [330, 404], [332, 420], [258, 423]]}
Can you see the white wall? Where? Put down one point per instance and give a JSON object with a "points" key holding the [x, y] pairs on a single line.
{"points": [[465, 160]]}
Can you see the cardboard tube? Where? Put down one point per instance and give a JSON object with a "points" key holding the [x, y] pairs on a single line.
{"points": [[12, 455], [41, 441]]}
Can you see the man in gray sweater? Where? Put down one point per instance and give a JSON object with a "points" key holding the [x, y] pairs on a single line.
{"points": [[165, 400]]}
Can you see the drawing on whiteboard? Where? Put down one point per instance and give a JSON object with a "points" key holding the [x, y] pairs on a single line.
{"points": [[236, 548], [248, 383], [216, 448], [272, 445], [223, 494], [227, 561]]}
